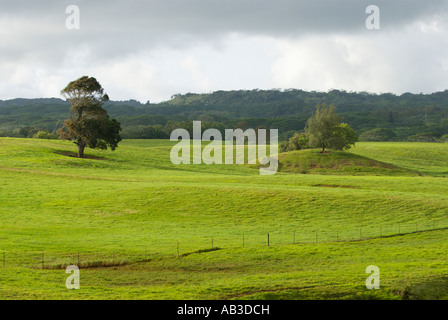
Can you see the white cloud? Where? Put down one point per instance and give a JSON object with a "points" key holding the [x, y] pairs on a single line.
{"points": [[201, 81], [133, 76], [407, 59]]}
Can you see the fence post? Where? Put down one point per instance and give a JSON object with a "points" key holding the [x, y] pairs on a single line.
{"points": [[267, 240], [337, 235], [43, 259], [243, 240], [4, 258], [212, 242], [178, 249], [316, 236], [145, 253], [294, 238], [113, 256], [78, 259]]}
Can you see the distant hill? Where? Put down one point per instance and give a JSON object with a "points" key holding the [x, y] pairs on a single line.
{"points": [[287, 110]]}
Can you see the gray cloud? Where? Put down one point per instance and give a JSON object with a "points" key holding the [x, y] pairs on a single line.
{"points": [[34, 43], [138, 23]]}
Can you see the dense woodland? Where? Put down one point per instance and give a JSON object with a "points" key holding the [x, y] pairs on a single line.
{"points": [[374, 117]]}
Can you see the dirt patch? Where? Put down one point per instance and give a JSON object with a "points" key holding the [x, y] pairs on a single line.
{"points": [[126, 211], [334, 186]]}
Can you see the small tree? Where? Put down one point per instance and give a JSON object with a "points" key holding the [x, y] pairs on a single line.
{"points": [[345, 137], [325, 130], [89, 124], [298, 141]]}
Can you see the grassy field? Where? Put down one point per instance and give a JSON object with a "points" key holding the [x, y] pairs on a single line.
{"points": [[141, 227]]}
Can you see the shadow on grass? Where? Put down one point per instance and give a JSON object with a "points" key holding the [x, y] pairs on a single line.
{"points": [[75, 155]]}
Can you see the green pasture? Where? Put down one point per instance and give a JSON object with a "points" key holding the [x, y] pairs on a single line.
{"points": [[141, 227]]}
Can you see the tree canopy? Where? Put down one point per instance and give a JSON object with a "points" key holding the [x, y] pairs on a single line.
{"points": [[89, 124], [325, 130]]}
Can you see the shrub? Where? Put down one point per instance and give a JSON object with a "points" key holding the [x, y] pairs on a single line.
{"points": [[444, 138], [378, 134], [45, 135], [424, 137], [298, 141]]}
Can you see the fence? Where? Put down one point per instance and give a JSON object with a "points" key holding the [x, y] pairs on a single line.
{"points": [[41, 259]]}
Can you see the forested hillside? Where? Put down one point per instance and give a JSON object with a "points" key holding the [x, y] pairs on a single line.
{"points": [[377, 117]]}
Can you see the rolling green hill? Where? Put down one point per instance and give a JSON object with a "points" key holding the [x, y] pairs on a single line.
{"points": [[427, 158], [336, 162], [140, 227]]}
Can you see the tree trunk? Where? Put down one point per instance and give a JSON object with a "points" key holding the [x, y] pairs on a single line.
{"points": [[323, 149], [81, 150]]}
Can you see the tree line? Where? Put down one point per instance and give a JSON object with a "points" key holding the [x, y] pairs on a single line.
{"points": [[374, 117]]}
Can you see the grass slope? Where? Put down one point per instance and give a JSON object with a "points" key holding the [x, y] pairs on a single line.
{"points": [[336, 162], [428, 158], [125, 212]]}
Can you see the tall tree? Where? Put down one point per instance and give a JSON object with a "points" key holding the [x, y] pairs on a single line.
{"points": [[325, 130], [89, 124]]}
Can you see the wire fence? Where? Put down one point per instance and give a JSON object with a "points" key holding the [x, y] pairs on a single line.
{"points": [[42, 259]]}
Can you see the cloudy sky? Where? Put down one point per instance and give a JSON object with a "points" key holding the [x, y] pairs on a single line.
{"points": [[150, 50]]}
